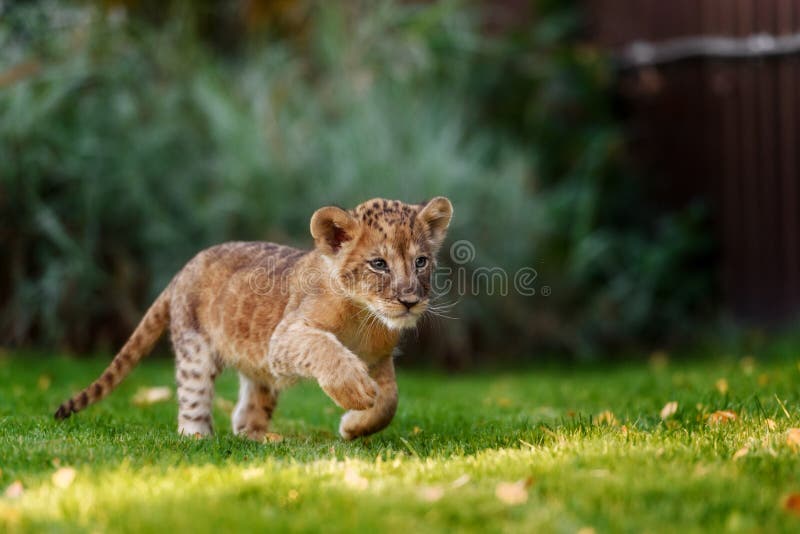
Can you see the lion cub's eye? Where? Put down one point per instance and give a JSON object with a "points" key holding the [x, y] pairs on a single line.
{"points": [[421, 262], [379, 264]]}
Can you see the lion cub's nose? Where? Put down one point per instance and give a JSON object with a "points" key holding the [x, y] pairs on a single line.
{"points": [[408, 302]]}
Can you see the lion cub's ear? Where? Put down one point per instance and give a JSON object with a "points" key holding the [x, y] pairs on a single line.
{"points": [[331, 227], [436, 215]]}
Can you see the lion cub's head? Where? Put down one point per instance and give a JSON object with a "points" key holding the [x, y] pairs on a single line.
{"points": [[382, 254]]}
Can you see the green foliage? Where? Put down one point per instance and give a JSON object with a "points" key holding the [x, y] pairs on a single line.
{"points": [[436, 468], [130, 146], [621, 269]]}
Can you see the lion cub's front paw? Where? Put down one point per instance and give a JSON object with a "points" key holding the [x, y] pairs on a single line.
{"points": [[351, 427], [353, 391]]}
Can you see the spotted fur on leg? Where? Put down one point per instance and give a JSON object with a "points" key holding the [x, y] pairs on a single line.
{"points": [[196, 369], [253, 412]]}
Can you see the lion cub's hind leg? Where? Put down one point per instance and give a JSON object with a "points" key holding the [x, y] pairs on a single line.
{"points": [[196, 368], [253, 412]]}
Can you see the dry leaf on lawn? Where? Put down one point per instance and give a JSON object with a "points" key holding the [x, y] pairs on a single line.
{"points": [[793, 438], [43, 383], [771, 425], [669, 410], [792, 503], [741, 453], [15, 490], [721, 417], [272, 437], [512, 492], [606, 418], [147, 396], [63, 477], [463, 480], [722, 386]]}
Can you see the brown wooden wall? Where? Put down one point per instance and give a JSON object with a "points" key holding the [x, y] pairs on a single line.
{"points": [[725, 130]]}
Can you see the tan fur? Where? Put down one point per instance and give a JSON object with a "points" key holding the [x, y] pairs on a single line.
{"points": [[278, 314]]}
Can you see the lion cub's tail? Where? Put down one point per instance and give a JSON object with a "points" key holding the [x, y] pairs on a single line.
{"points": [[139, 345]]}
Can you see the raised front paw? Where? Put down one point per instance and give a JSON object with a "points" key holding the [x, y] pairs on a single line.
{"points": [[351, 390], [356, 423]]}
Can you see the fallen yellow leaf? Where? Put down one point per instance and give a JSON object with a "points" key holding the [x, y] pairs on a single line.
{"points": [[669, 410], [147, 396], [741, 453], [721, 385], [793, 438], [293, 494], [672, 424], [416, 430], [721, 417], [792, 503], [771, 425], [606, 418], [63, 477], [272, 437], [748, 364], [512, 493], [463, 480], [14, 490], [43, 382]]}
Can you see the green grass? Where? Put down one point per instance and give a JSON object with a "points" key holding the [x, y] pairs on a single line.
{"points": [[436, 468]]}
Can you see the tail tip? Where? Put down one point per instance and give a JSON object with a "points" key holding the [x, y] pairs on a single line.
{"points": [[63, 412]]}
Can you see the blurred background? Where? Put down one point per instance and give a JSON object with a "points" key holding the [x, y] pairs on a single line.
{"points": [[638, 157]]}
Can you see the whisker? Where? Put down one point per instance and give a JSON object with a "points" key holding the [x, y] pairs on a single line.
{"points": [[437, 309], [435, 313], [365, 321], [443, 305], [434, 298]]}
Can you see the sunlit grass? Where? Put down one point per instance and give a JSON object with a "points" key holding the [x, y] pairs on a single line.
{"points": [[582, 448]]}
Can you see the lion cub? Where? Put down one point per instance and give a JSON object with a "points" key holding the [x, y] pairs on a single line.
{"points": [[278, 314]]}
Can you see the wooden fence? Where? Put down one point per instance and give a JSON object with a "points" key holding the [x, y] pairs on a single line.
{"points": [[721, 127]]}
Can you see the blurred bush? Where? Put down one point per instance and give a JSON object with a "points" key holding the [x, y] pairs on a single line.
{"points": [[128, 142]]}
